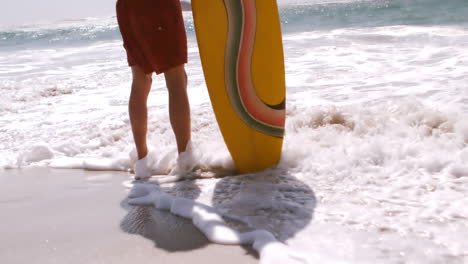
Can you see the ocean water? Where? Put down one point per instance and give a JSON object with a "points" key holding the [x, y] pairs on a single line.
{"points": [[375, 160]]}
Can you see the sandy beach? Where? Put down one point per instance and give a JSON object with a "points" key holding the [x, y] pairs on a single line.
{"points": [[78, 216]]}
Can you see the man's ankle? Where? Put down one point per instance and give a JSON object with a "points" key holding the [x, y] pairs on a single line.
{"points": [[142, 170]]}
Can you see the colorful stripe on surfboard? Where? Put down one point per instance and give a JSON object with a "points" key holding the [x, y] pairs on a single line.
{"points": [[265, 118]]}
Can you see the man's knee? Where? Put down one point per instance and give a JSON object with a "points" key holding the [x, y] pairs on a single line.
{"points": [[176, 80], [140, 77], [177, 72]]}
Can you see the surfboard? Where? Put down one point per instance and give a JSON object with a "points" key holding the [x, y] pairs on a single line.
{"points": [[241, 51]]}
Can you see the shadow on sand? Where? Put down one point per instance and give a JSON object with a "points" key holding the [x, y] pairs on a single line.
{"points": [[271, 200], [167, 231]]}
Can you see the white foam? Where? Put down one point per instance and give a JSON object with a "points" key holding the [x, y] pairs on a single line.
{"points": [[36, 153], [211, 223]]}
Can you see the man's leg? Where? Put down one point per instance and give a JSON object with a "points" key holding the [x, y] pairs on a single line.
{"points": [[138, 110], [179, 107]]}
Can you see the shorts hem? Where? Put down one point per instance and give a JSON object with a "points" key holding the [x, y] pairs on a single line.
{"points": [[169, 66], [148, 70]]}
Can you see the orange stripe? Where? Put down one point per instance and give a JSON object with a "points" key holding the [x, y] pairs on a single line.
{"points": [[249, 98]]}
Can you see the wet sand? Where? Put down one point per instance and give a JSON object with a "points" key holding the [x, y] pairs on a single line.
{"points": [[77, 216]]}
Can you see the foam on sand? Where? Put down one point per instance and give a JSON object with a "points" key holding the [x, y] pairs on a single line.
{"points": [[211, 223]]}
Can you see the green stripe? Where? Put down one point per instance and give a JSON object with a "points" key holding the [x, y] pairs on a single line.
{"points": [[235, 18]]}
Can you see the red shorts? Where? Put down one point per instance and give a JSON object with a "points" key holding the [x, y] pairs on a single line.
{"points": [[153, 33]]}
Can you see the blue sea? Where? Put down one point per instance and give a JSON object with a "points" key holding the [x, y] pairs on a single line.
{"points": [[377, 120]]}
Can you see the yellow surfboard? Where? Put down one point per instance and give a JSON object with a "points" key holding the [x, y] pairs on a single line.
{"points": [[242, 57]]}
